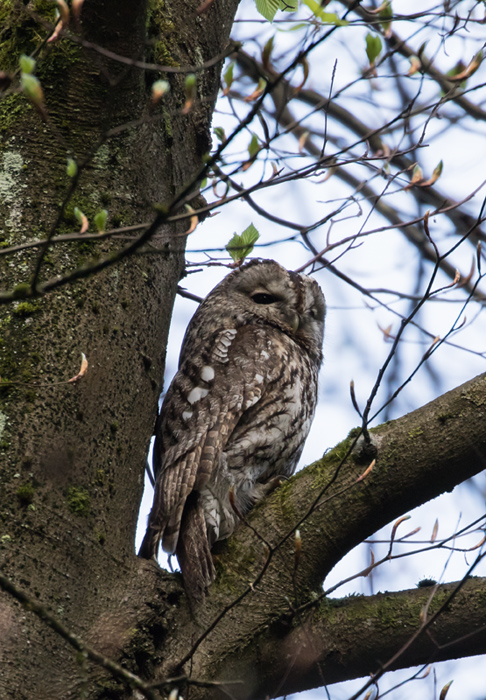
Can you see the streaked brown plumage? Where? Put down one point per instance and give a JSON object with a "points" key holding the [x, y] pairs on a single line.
{"points": [[237, 412]]}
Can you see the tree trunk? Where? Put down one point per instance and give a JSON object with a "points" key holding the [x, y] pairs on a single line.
{"points": [[73, 455]]}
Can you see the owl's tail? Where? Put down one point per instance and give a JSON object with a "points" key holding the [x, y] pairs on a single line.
{"points": [[164, 523], [193, 551], [150, 544]]}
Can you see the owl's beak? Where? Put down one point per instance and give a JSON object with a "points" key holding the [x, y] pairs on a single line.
{"points": [[294, 321]]}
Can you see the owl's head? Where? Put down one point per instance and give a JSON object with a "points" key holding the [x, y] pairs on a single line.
{"points": [[264, 292]]}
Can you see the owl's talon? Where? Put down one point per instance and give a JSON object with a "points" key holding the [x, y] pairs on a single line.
{"points": [[275, 483]]}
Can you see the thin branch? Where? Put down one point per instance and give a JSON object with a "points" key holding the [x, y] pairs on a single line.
{"points": [[427, 624]]}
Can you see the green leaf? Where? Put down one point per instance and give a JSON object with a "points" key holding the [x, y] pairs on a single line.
{"points": [[79, 215], [31, 88], [191, 80], [71, 168], [250, 235], [267, 8], [445, 690], [27, 64], [385, 15], [219, 133], [373, 48], [325, 17], [159, 89], [100, 220], [297, 26], [240, 246], [438, 170], [190, 86], [253, 146], [417, 174], [267, 50], [422, 49], [460, 67], [228, 75]]}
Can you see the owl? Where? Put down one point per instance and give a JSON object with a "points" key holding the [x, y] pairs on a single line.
{"points": [[238, 411]]}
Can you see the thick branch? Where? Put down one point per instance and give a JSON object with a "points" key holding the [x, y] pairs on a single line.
{"points": [[420, 456], [321, 647]]}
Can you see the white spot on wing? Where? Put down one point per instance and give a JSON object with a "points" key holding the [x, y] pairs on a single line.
{"points": [[186, 415], [196, 394], [264, 355], [222, 344], [258, 378], [207, 373]]}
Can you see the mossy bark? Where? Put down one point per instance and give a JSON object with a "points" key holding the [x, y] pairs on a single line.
{"points": [[352, 637], [72, 455]]}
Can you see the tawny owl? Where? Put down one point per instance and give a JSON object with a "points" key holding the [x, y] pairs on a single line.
{"points": [[237, 413]]}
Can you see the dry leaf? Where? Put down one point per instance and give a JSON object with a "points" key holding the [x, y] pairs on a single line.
{"points": [[386, 332], [82, 371], [397, 524], [64, 21], [194, 220], [305, 67], [467, 72], [353, 398], [369, 569], [77, 6], [84, 224], [297, 548], [302, 141], [444, 690], [415, 65], [478, 545], [465, 280], [204, 7], [430, 348], [366, 472]]}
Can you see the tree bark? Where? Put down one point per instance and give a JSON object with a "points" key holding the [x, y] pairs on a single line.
{"points": [[319, 646], [73, 455]]}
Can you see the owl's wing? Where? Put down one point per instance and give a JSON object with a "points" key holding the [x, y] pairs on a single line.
{"points": [[208, 396]]}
